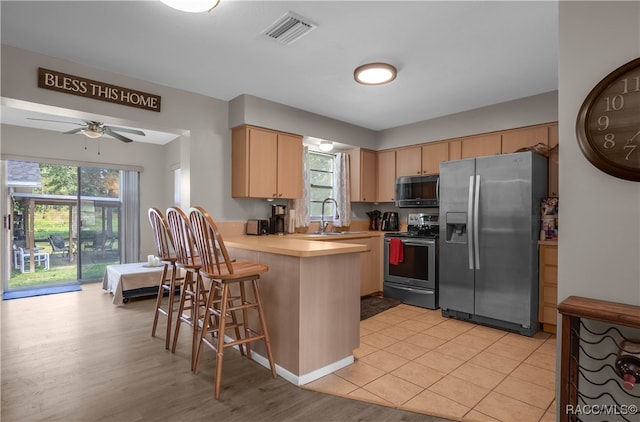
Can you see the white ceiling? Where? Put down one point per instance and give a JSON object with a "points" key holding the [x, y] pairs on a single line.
{"points": [[451, 56]]}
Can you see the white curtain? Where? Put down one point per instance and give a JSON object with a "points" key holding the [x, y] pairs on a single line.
{"points": [[301, 205], [130, 214], [342, 189]]}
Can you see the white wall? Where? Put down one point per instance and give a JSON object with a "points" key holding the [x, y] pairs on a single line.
{"points": [[599, 221]]}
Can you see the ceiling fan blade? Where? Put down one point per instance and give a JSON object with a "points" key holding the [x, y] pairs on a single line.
{"points": [[113, 134], [126, 130], [72, 131], [55, 121]]}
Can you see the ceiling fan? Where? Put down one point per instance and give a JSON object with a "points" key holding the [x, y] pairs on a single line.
{"points": [[94, 129]]}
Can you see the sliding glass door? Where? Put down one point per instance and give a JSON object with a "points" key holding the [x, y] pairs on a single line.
{"points": [[99, 221], [65, 223]]}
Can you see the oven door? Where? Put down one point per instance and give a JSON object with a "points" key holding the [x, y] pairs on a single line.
{"points": [[418, 268]]}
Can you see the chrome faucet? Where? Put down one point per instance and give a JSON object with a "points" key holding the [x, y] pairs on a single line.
{"points": [[323, 224]]}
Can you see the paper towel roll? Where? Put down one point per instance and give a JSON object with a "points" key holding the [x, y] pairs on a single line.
{"points": [[292, 221]]}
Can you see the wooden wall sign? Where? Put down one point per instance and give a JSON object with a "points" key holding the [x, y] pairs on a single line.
{"points": [[75, 85]]}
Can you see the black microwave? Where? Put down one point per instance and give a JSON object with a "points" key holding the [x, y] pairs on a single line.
{"points": [[417, 191]]}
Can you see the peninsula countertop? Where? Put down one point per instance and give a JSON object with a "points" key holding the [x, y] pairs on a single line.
{"points": [[294, 245]]}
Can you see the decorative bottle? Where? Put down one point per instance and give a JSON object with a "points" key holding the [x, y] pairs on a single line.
{"points": [[628, 363]]}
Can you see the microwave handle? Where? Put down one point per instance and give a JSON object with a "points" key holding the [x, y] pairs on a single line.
{"points": [[438, 190]]}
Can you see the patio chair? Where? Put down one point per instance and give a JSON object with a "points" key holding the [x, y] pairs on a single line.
{"points": [[58, 245], [24, 256], [96, 244]]}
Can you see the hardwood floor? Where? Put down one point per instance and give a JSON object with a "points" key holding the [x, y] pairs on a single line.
{"points": [[77, 357]]}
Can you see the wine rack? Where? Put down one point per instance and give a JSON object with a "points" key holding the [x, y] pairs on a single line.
{"points": [[595, 335]]}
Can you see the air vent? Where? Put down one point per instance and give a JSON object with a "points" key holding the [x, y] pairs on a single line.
{"points": [[289, 28]]}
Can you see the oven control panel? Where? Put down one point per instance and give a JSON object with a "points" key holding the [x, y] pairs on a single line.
{"points": [[422, 224]]}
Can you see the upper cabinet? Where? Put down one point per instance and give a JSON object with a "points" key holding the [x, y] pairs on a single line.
{"points": [[480, 146], [265, 164], [421, 160], [363, 174], [386, 176], [408, 162], [514, 140], [433, 155]]}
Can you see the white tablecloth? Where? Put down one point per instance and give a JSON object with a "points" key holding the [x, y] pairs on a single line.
{"points": [[123, 277]]}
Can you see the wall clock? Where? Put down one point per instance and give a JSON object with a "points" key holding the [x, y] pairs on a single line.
{"points": [[608, 125]]}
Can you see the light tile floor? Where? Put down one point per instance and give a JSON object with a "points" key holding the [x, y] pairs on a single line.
{"points": [[414, 359]]}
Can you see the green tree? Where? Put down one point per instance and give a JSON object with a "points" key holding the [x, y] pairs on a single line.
{"points": [[99, 182], [58, 180]]}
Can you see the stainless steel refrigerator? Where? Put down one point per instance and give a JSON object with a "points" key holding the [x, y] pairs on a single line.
{"points": [[489, 231]]}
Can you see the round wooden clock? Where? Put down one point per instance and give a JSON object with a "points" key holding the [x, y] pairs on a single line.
{"points": [[608, 125]]}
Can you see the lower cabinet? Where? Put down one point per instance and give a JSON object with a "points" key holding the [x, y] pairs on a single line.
{"points": [[547, 312], [371, 263]]}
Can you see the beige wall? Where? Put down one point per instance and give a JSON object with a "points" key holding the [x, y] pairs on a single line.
{"points": [[199, 121], [247, 109], [523, 112]]}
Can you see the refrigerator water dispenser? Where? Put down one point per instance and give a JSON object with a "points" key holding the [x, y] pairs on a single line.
{"points": [[456, 227]]}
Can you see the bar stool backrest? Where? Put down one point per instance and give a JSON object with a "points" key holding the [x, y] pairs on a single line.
{"points": [[214, 257], [182, 237], [162, 237]]}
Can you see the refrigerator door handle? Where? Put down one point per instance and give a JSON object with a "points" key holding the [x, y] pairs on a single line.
{"points": [[476, 212], [470, 223]]}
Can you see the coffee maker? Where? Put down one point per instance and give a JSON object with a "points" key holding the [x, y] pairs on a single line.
{"points": [[276, 221]]}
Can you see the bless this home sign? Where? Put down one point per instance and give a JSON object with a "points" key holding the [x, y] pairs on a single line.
{"points": [[75, 85]]}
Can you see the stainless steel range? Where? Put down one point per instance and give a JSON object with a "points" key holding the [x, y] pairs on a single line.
{"points": [[411, 262]]}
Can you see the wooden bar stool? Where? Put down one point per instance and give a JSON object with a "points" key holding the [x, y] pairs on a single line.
{"points": [[222, 307], [169, 280], [193, 295]]}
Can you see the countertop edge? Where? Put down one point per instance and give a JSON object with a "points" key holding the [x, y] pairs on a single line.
{"points": [[292, 246]]}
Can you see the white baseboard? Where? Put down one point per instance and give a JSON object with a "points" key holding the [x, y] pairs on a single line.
{"points": [[300, 379]]}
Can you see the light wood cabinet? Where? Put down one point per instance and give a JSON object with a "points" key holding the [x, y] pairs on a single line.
{"points": [[371, 264], [480, 146], [363, 174], [548, 261], [433, 155], [522, 138], [265, 164], [409, 162], [455, 150], [421, 160], [386, 182]]}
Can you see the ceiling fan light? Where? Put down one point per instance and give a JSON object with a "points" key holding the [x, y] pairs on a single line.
{"points": [[375, 73], [91, 133], [192, 6], [326, 146]]}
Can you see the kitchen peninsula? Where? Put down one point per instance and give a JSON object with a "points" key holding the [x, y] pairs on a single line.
{"points": [[311, 299]]}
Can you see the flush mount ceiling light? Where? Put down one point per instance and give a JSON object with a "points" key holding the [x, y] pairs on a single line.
{"points": [[192, 6], [90, 133], [374, 74], [326, 146]]}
